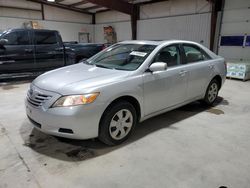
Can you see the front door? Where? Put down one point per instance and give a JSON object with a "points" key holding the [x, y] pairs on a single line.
{"points": [[49, 52], [17, 55], [167, 88]]}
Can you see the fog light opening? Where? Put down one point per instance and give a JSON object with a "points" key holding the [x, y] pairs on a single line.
{"points": [[62, 130]]}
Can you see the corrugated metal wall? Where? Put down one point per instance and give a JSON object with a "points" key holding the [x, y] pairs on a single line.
{"points": [[195, 27], [179, 19]]}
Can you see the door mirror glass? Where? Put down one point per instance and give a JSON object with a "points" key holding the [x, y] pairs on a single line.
{"points": [[158, 66], [3, 42]]}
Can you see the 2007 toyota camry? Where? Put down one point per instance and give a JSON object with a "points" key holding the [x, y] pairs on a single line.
{"points": [[108, 94]]}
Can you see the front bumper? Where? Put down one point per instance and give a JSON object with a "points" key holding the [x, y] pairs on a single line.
{"points": [[82, 120]]}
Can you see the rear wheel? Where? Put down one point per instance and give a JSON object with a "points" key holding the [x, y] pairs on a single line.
{"points": [[117, 123], [212, 92]]}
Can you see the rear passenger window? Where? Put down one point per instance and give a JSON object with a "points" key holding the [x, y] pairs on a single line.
{"points": [[194, 54], [45, 38], [169, 55]]}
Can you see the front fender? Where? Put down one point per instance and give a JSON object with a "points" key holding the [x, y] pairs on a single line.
{"points": [[131, 87]]}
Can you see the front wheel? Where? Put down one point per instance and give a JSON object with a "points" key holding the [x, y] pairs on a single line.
{"points": [[211, 92], [117, 123]]}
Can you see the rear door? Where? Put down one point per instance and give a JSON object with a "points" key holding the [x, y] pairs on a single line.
{"points": [[199, 67], [49, 51], [17, 55]]}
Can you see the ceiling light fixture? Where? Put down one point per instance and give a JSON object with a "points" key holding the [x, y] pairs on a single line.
{"points": [[51, 0]]}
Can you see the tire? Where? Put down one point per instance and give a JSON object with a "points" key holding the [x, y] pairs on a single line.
{"points": [[211, 92], [117, 123]]}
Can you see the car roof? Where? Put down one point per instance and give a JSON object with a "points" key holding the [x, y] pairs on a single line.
{"points": [[156, 42], [29, 29]]}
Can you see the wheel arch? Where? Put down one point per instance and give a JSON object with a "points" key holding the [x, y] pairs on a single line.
{"points": [[219, 79], [131, 99]]}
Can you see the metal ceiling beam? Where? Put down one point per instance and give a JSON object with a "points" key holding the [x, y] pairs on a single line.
{"points": [[78, 3], [105, 10], [59, 1], [118, 5], [150, 2], [20, 8], [61, 6], [93, 7], [124, 7]]}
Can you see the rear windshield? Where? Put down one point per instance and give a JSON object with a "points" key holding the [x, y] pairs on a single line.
{"points": [[122, 56]]}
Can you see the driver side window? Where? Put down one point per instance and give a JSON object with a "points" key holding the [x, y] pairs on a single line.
{"points": [[169, 55], [17, 38]]}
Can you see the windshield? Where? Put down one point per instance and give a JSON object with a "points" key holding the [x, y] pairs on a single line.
{"points": [[2, 34], [122, 56]]}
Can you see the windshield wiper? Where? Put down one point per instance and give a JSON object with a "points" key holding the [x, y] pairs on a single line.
{"points": [[102, 66], [119, 69], [86, 62]]}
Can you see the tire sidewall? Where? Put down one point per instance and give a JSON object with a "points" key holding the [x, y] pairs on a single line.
{"points": [[104, 134]]}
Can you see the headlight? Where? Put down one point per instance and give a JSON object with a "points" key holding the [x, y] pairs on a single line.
{"points": [[74, 100]]}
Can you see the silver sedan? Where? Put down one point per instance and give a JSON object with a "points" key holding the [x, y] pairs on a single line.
{"points": [[129, 82]]}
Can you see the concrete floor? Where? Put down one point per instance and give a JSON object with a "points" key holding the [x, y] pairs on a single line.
{"points": [[191, 147]]}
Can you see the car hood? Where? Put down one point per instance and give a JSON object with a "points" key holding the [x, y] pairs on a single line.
{"points": [[75, 79]]}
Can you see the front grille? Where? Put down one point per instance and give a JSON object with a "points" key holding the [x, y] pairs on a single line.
{"points": [[37, 99]]}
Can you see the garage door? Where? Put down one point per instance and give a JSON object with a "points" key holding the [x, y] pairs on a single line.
{"points": [[234, 42]]}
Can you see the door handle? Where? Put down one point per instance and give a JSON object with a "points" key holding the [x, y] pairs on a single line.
{"points": [[182, 73], [28, 50]]}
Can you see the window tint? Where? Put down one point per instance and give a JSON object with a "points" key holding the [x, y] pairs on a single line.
{"points": [[17, 38], [194, 54], [45, 38], [232, 40], [169, 55]]}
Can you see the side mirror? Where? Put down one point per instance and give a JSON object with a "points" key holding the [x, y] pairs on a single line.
{"points": [[158, 66], [3, 42]]}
